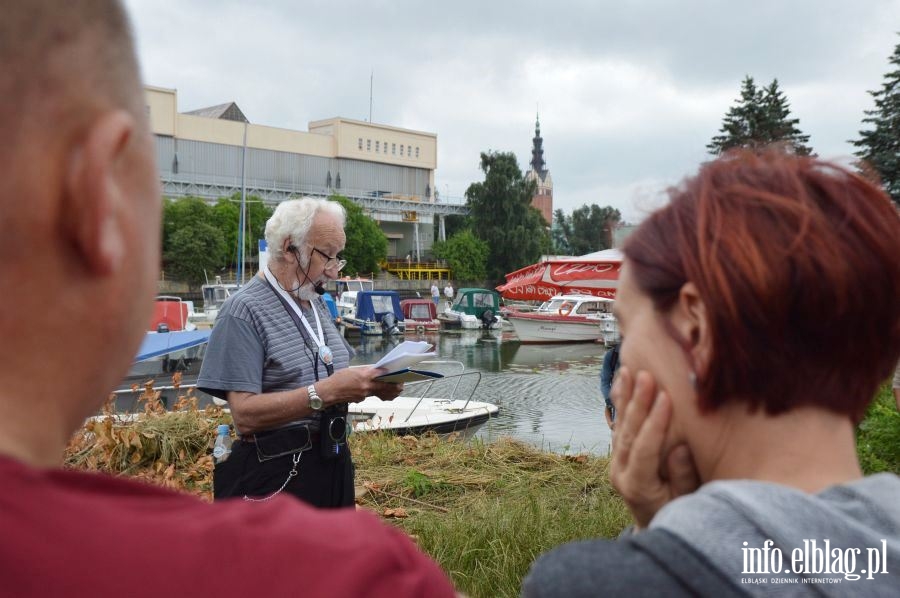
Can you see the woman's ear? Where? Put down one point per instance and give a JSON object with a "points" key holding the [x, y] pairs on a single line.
{"points": [[690, 319]]}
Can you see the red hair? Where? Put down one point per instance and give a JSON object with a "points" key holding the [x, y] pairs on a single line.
{"points": [[798, 263]]}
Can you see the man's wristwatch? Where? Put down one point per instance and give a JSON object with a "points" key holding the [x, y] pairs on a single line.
{"points": [[315, 401]]}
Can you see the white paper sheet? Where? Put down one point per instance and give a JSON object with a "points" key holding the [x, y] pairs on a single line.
{"points": [[405, 355]]}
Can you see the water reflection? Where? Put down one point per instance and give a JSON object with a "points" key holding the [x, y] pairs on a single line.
{"points": [[548, 394]]}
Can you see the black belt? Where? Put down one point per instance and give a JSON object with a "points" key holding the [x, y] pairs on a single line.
{"points": [[251, 438], [292, 429]]}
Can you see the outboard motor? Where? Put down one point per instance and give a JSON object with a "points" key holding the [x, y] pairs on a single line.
{"points": [[487, 319], [389, 324]]}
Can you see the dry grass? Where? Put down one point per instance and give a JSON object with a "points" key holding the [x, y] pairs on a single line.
{"points": [[167, 448]]}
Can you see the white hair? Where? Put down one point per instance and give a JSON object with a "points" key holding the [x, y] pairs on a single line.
{"points": [[292, 220]]}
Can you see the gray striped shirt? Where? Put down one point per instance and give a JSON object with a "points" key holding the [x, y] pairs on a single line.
{"points": [[255, 346]]}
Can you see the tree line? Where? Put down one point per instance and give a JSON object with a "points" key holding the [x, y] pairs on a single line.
{"points": [[502, 231], [200, 240]]}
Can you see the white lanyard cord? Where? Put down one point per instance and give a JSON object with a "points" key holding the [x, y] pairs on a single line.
{"points": [[320, 338]]}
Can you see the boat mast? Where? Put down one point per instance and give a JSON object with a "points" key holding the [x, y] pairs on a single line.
{"points": [[242, 217]]}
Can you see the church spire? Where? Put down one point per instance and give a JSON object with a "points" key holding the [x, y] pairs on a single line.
{"points": [[537, 150]]}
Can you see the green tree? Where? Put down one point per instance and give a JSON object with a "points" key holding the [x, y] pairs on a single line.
{"points": [[501, 215], [466, 255], [591, 228], [759, 118], [560, 231], [879, 146], [366, 243], [226, 217], [183, 213], [779, 127], [194, 252]]}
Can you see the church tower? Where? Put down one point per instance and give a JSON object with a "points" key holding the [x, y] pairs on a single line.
{"points": [[543, 195]]}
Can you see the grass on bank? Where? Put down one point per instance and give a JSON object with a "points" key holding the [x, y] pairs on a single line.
{"points": [[484, 511], [878, 435]]}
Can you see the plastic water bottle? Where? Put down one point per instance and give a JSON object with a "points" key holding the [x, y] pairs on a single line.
{"points": [[223, 444]]}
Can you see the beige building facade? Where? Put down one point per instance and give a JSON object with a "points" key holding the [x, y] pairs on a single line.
{"points": [[389, 171]]}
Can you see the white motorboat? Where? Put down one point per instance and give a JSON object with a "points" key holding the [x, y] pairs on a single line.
{"points": [[566, 319], [472, 309], [439, 407], [346, 290], [214, 295], [410, 415]]}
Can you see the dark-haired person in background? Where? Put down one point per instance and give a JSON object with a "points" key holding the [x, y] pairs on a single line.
{"points": [[278, 359], [759, 313], [80, 206], [607, 374]]}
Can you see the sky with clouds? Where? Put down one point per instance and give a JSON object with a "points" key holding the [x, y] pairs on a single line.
{"points": [[629, 92]]}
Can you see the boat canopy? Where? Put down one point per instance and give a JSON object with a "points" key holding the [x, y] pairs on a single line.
{"points": [[160, 343], [474, 302], [372, 305], [419, 309], [329, 303]]}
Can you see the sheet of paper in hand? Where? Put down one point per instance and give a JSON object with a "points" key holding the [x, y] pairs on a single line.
{"points": [[401, 359]]}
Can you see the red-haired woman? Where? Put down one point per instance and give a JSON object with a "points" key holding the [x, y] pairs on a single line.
{"points": [[760, 310]]}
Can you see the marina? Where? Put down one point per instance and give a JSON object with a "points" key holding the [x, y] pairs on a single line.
{"points": [[548, 395]]}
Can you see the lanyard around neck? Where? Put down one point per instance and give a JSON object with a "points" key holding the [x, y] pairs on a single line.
{"points": [[318, 338]]}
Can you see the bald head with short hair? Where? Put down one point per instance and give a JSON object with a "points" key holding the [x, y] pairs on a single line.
{"points": [[76, 56], [80, 208]]}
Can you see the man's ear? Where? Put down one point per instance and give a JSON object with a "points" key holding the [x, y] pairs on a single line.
{"points": [[96, 197], [690, 319]]}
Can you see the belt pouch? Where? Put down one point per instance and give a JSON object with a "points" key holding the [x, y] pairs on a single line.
{"points": [[284, 441]]}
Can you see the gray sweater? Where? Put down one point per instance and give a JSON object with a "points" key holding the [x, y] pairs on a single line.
{"points": [[714, 542]]}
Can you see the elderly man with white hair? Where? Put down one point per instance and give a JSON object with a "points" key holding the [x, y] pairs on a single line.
{"points": [[278, 359]]}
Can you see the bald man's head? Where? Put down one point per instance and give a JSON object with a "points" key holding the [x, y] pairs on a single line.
{"points": [[63, 62]]}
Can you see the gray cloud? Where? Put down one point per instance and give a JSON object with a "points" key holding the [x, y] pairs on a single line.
{"points": [[629, 92]]}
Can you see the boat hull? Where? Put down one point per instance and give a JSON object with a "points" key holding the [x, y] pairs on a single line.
{"points": [[533, 328], [411, 415], [422, 326]]}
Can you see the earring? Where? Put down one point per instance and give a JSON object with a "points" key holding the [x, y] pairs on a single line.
{"points": [[692, 378]]}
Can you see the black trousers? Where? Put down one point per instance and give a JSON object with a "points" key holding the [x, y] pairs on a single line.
{"points": [[324, 483]]}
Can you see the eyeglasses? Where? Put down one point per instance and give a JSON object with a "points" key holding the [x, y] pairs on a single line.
{"points": [[335, 261]]}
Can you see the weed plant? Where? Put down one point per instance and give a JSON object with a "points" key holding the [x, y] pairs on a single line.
{"points": [[168, 448]]}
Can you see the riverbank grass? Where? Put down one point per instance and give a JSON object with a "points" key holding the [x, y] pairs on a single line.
{"points": [[485, 511]]}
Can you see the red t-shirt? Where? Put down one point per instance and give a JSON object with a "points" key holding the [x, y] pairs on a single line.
{"points": [[69, 533]]}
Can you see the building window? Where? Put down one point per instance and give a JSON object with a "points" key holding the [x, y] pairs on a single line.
{"points": [[360, 143], [394, 149], [368, 145], [409, 151], [377, 146], [417, 152], [401, 150]]}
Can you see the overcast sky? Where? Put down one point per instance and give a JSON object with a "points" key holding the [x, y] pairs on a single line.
{"points": [[629, 92]]}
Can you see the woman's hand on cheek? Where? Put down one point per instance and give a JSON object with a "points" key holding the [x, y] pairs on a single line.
{"points": [[646, 474]]}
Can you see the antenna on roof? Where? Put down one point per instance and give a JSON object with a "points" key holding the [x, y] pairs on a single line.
{"points": [[371, 80]]}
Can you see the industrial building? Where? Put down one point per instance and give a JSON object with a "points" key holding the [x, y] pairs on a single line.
{"points": [[389, 171]]}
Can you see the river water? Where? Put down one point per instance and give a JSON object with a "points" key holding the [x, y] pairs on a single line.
{"points": [[549, 395]]}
